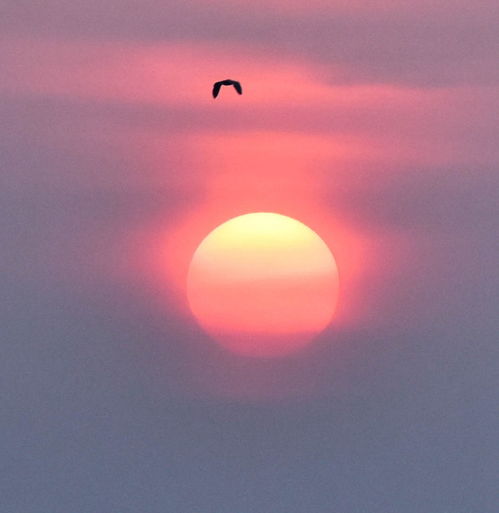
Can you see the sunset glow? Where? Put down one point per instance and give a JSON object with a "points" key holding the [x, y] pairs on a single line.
{"points": [[263, 284]]}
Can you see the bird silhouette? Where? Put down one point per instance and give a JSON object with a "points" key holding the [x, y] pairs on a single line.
{"points": [[226, 82]]}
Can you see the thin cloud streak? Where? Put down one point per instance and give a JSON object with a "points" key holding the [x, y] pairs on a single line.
{"points": [[424, 44]]}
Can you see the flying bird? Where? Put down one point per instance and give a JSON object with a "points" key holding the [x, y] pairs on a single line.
{"points": [[226, 82]]}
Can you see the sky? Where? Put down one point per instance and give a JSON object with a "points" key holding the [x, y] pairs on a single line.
{"points": [[375, 124]]}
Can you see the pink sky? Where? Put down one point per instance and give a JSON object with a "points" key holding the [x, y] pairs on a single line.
{"points": [[376, 124], [371, 122]]}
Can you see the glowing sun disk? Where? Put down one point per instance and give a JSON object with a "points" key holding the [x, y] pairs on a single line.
{"points": [[263, 284]]}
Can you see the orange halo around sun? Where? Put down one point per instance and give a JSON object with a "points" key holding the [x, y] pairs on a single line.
{"points": [[263, 284]]}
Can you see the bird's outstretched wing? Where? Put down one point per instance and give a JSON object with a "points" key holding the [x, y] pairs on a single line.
{"points": [[216, 88], [238, 87]]}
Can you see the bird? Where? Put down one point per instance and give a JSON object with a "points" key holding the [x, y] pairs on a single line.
{"points": [[226, 82]]}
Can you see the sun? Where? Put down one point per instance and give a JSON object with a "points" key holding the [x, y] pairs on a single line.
{"points": [[263, 284]]}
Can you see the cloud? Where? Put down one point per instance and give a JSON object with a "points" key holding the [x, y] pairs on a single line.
{"points": [[425, 44]]}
